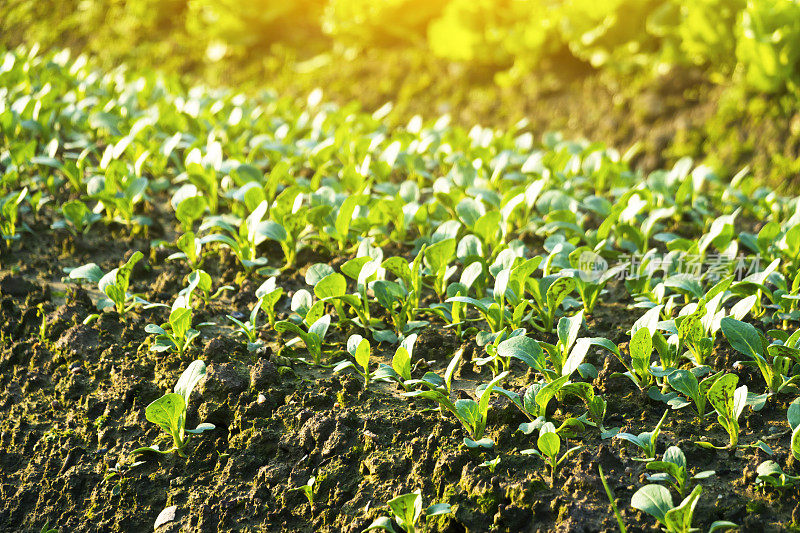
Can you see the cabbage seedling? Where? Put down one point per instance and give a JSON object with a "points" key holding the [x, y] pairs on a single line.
{"points": [[438, 256], [308, 490], [549, 444], [775, 367], [548, 294], [645, 441], [312, 338], [78, 219], [674, 471], [169, 411], [595, 405], [656, 501], [641, 348], [772, 475], [177, 333], [729, 402], [359, 348], [114, 284], [200, 279], [471, 414], [191, 249], [685, 382], [9, 212], [400, 369], [407, 511]]}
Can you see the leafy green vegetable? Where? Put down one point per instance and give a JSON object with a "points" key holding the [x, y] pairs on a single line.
{"points": [[169, 411]]}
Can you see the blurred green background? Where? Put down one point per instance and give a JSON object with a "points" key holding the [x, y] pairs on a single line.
{"points": [[714, 79]]}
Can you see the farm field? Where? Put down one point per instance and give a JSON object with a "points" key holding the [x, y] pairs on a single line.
{"points": [[380, 311], [347, 266]]}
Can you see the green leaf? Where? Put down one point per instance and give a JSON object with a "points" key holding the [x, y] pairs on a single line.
{"points": [[743, 337], [406, 508], [331, 286], [654, 500], [686, 383], [546, 393], [382, 523], [549, 444], [438, 509], [190, 377], [90, 272], [272, 231], [576, 357], [559, 290], [362, 353], [568, 328], [189, 210], [680, 518], [180, 320], [721, 525], [641, 347], [525, 349], [793, 413], [401, 363], [675, 455], [720, 395], [317, 272], [167, 412], [439, 254]]}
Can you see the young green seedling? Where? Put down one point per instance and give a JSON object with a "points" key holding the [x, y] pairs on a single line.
{"points": [[793, 416], [729, 402], [359, 348], [9, 213], [776, 366], [686, 383], [656, 501], [169, 412], [491, 464], [114, 284], [770, 474], [563, 359], [200, 279], [641, 348], [592, 275], [177, 333], [269, 294], [78, 219], [400, 369], [471, 414], [312, 338], [645, 441], [674, 471], [549, 444], [407, 511], [548, 295], [191, 250], [438, 256], [308, 490], [595, 405], [692, 334]]}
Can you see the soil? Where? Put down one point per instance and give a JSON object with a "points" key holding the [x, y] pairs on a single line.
{"points": [[73, 396]]}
